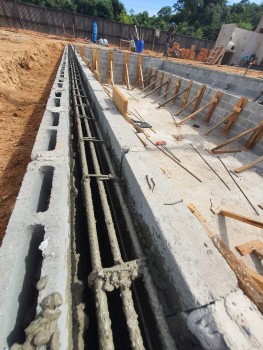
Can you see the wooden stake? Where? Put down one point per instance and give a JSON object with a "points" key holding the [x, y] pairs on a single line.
{"points": [[192, 115], [95, 60], [110, 67], [161, 81], [248, 165], [237, 109], [220, 151], [125, 71], [177, 88], [186, 94], [200, 96], [139, 75], [237, 137], [212, 108], [219, 123], [254, 138]]}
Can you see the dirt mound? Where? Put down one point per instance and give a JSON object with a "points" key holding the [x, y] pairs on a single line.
{"points": [[27, 71]]}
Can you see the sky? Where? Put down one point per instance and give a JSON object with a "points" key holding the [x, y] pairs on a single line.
{"points": [[153, 6]]}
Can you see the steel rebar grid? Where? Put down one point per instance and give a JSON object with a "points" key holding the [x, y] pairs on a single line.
{"points": [[102, 310], [126, 295], [165, 336]]}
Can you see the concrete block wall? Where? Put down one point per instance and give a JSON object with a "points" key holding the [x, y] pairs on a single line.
{"points": [[148, 62], [232, 83], [251, 115], [36, 247], [204, 295]]}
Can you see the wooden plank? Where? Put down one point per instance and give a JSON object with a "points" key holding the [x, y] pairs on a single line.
{"points": [[200, 95], [192, 115], [161, 81], [177, 88], [139, 70], [248, 165], [155, 78], [110, 67], [127, 77], [242, 218], [120, 101], [126, 62], [167, 86], [249, 247], [237, 108], [237, 137], [254, 138], [246, 282], [95, 59], [212, 108], [219, 123], [186, 94], [221, 151]]}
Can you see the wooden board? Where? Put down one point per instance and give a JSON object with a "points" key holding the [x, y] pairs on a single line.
{"points": [[126, 62], [177, 88], [254, 138], [249, 247], [212, 108], [242, 218], [120, 101], [111, 67], [248, 165], [200, 95], [139, 64], [237, 109], [186, 94], [237, 137], [161, 81], [95, 59]]}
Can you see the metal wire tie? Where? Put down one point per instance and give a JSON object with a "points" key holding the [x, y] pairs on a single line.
{"points": [[91, 139], [100, 177]]}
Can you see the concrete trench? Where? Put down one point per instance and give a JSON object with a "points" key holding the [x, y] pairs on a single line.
{"points": [[48, 238]]}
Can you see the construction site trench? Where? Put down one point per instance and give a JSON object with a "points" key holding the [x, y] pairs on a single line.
{"points": [[101, 248]]}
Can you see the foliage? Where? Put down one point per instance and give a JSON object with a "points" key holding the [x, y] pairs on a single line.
{"points": [[198, 18]]}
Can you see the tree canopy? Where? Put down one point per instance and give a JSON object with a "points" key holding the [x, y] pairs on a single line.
{"points": [[199, 18]]}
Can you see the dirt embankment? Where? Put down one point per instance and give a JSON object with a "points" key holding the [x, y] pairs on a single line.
{"points": [[27, 71]]}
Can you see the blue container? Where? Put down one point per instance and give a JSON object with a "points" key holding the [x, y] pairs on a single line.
{"points": [[139, 46], [94, 31]]}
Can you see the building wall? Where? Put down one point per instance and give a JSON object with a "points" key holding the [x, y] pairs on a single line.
{"points": [[247, 43]]}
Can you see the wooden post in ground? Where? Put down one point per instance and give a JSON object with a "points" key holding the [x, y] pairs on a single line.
{"points": [[110, 67], [186, 94], [237, 109], [139, 75], [254, 138], [212, 108], [125, 72], [213, 101], [237, 137], [177, 88], [95, 59]]}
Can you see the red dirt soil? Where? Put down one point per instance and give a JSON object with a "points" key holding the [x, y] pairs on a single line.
{"points": [[28, 66]]}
